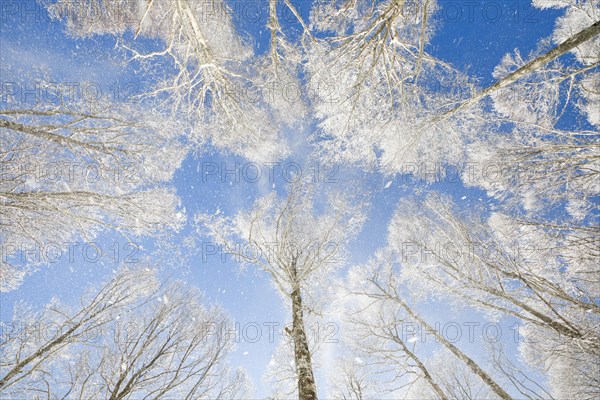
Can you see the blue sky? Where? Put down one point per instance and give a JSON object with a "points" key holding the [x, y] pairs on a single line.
{"points": [[473, 42]]}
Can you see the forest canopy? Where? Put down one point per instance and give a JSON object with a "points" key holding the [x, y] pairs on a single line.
{"points": [[346, 199]]}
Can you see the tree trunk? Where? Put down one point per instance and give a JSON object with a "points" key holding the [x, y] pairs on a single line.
{"points": [[528, 68], [306, 382], [18, 368], [426, 375], [473, 366]]}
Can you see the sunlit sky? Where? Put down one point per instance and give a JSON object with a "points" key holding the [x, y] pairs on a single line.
{"points": [[472, 39]]}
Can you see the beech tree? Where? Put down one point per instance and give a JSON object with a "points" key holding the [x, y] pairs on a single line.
{"points": [[377, 90], [453, 377], [526, 155], [72, 167], [216, 83], [381, 315], [544, 183], [544, 177], [541, 164], [38, 336], [136, 337], [534, 276], [352, 380], [298, 245]]}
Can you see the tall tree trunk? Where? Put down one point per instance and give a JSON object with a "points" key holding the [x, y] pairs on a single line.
{"points": [[473, 366], [426, 375], [531, 66], [5, 381], [307, 389]]}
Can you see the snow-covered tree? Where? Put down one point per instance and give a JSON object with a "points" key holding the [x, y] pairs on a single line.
{"points": [[572, 371], [281, 375], [536, 256], [382, 321], [376, 89], [38, 337], [381, 100], [134, 338], [204, 70], [484, 260], [351, 379], [528, 157], [298, 242], [72, 167], [454, 378], [526, 152], [506, 269]]}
